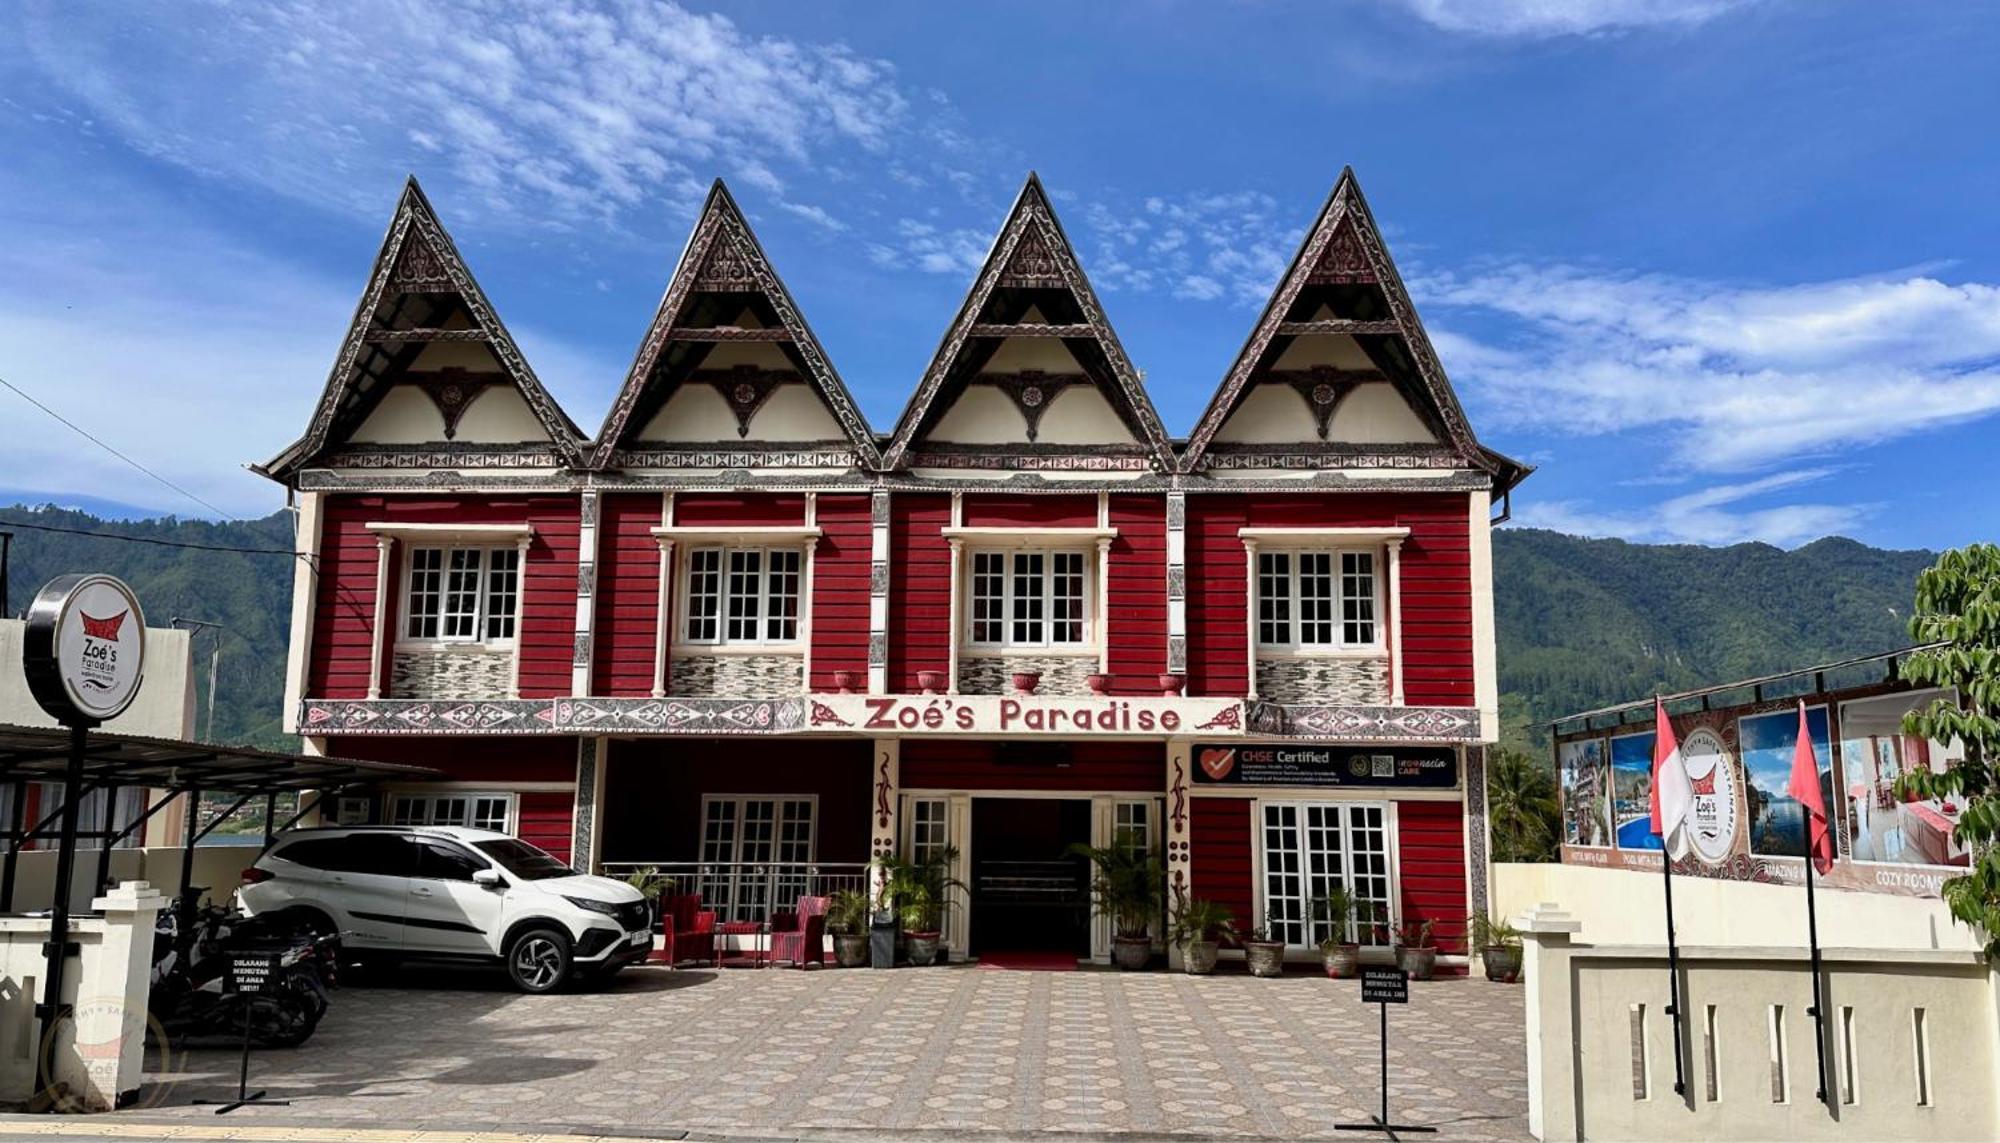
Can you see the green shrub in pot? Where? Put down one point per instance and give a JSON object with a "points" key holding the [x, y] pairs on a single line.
{"points": [[1126, 886], [1416, 953], [1499, 945], [847, 916], [1334, 915], [1198, 927], [1262, 955]]}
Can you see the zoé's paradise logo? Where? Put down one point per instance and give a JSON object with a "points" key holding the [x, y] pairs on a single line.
{"points": [[85, 648]]}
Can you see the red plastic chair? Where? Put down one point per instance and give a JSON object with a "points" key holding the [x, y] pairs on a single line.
{"points": [[689, 933], [800, 936]]}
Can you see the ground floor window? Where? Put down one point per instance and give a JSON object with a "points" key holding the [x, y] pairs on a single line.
{"points": [[1132, 826], [89, 815], [755, 853], [1313, 847], [478, 810], [930, 831]]}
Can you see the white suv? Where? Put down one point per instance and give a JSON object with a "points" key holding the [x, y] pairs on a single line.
{"points": [[445, 891]]}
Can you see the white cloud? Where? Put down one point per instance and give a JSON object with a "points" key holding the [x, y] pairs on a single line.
{"points": [[1709, 516], [813, 214], [564, 113], [1726, 378], [923, 246], [1199, 247], [1545, 18]]}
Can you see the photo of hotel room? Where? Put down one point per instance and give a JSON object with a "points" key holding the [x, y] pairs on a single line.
{"points": [[1873, 752]]}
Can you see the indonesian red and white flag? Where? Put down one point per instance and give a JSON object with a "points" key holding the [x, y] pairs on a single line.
{"points": [[1804, 785], [1673, 794]]}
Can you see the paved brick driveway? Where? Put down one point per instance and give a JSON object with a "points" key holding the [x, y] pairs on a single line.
{"points": [[944, 1050]]}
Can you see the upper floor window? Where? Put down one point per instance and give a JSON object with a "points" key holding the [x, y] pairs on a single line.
{"points": [[743, 595], [1029, 599], [1317, 599], [463, 595]]}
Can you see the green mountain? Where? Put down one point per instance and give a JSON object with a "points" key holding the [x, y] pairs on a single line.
{"points": [[1581, 623]]}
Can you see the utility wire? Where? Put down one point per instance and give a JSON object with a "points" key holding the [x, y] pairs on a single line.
{"points": [[6, 523], [80, 431]]}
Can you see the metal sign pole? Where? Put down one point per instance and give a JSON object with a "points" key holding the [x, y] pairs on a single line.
{"points": [[1385, 986], [52, 1010]]}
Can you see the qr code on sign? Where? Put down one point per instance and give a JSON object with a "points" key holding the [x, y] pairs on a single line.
{"points": [[1382, 766]]}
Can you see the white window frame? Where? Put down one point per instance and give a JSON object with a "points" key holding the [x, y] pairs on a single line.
{"points": [[1391, 845], [724, 891], [433, 801], [684, 612], [483, 612], [924, 834], [1086, 600], [1295, 599]]}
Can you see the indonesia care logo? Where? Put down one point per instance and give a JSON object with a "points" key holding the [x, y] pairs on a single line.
{"points": [[1712, 818]]}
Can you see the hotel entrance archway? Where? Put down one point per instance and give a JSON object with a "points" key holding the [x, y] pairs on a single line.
{"points": [[1029, 893]]}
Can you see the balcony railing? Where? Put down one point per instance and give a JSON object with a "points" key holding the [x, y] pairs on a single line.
{"points": [[750, 891]]}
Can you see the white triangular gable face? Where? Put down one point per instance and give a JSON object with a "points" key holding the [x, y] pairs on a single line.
{"points": [[1030, 371], [729, 363]]}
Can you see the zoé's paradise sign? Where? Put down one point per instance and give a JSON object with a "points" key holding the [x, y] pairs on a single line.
{"points": [[84, 652], [1026, 716], [1398, 767]]}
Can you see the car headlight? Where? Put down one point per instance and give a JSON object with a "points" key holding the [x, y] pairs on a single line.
{"points": [[604, 907]]}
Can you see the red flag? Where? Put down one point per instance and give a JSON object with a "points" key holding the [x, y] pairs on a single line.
{"points": [[1804, 785], [1672, 795]]}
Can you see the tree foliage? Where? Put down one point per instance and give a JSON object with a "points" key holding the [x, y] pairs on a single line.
{"points": [[1521, 806], [1958, 606]]}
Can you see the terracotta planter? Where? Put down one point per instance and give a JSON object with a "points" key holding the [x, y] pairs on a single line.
{"points": [[1503, 963], [1025, 682], [931, 682], [850, 950], [923, 947], [1341, 961], [1099, 684], [846, 681], [1419, 963], [1198, 957], [1131, 953], [1170, 685], [1265, 958]]}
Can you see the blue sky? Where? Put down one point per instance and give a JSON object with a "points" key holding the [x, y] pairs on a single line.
{"points": [[1724, 270]]}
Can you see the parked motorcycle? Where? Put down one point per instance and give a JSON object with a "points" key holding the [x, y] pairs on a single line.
{"points": [[228, 973]]}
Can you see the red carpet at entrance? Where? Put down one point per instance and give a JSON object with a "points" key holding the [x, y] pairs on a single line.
{"points": [[1029, 961]]}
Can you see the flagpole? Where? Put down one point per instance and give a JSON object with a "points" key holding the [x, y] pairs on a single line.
{"points": [[1812, 936], [1674, 970]]}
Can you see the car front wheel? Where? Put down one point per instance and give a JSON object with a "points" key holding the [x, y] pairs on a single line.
{"points": [[538, 960]]}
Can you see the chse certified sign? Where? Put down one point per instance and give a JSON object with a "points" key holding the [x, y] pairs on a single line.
{"points": [[84, 651]]}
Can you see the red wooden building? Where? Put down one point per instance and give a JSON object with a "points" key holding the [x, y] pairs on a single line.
{"points": [[741, 635]]}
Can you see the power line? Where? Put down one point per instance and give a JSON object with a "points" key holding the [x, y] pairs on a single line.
{"points": [[79, 430], [6, 523]]}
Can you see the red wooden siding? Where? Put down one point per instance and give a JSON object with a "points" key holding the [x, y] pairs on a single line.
{"points": [[1023, 511], [344, 632], [626, 623], [1138, 594], [1430, 857], [723, 510], [919, 588], [1221, 859], [545, 820], [1436, 584], [840, 589], [952, 764], [544, 815]]}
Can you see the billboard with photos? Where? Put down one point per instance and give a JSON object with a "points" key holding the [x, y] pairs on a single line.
{"points": [[1744, 825]]}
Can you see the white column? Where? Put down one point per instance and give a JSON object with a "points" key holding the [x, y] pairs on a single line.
{"points": [[885, 803], [1485, 675], [806, 597], [955, 612], [586, 595], [878, 593], [1177, 827], [663, 620], [305, 598], [104, 1056], [1546, 937], [1103, 831], [1250, 617], [1176, 582], [1392, 585], [958, 918], [384, 640]]}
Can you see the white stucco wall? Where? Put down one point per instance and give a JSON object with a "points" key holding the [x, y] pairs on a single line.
{"points": [[163, 708]]}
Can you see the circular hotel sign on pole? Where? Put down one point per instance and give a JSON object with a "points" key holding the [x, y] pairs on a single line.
{"points": [[84, 651]]}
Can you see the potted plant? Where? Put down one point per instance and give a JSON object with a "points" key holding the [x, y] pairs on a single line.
{"points": [[1171, 684], [1199, 926], [847, 916], [1335, 912], [1099, 682], [846, 681], [1025, 682], [1126, 889], [1415, 953], [654, 884], [1499, 945], [1261, 954], [920, 892], [930, 682]]}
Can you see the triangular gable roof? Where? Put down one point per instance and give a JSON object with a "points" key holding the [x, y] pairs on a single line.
{"points": [[417, 257], [1345, 246], [723, 255], [1031, 249]]}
